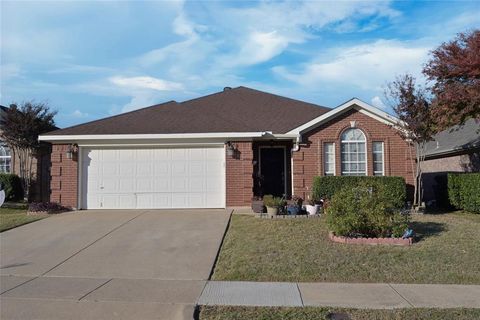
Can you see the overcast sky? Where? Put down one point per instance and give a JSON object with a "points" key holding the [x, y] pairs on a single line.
{"points": [[89, 60]]}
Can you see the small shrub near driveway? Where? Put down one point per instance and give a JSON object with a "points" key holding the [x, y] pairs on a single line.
{"points": [[464, 191], [12, 185], [365, 212], [326, 187], [46, 207]]}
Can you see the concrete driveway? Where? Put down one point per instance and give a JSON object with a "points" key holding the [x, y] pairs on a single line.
{"points": [[122, 264]]}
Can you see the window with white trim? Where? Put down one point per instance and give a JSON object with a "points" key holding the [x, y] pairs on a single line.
{"points": [[5, 158], [354, 162], [329, 158], [378, 162]]}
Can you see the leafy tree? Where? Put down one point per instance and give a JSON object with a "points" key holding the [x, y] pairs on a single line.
{"points": [[411, 105], [454, 70], [21, 126]]}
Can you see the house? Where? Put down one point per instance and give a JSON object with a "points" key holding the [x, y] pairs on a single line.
{"points": [[456, 149], [221, 150], [9, 163]]}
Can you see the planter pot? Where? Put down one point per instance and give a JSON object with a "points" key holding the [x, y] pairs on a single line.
{"points": [[293, 209], [272, 211], [312, 210]]}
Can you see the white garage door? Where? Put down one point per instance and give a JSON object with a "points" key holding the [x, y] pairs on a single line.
{"points": [[153, 178]]}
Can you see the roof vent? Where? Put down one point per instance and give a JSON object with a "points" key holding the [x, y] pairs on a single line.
{"points": [[227, 88]]}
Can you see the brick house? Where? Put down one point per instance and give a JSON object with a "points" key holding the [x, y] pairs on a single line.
{"points": [[221, 150], [456, 149]]}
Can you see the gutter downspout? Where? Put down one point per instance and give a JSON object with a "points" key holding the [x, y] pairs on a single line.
{"points": [[296, 145]]}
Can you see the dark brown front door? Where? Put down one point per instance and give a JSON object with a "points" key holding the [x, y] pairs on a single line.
{"points": [[272, 171]]}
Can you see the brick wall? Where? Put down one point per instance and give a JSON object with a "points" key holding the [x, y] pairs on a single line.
{"points": [[308, 161], [239, 173], [64, 177]]}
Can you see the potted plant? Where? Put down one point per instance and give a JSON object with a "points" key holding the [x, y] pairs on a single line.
{"points": [[273, 204], [312, 206], [294, 206]]}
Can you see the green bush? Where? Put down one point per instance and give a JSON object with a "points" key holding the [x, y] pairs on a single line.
{"points": [[326, 187], [363, 212], [464, 191], [273, 202], [12, 185]]}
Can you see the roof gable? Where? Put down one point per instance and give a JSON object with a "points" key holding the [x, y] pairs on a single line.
{"points": [[354, 103]]}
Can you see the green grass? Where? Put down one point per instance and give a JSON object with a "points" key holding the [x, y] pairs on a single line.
{"points": [[298, 250], [263, 313], [12, 218]]}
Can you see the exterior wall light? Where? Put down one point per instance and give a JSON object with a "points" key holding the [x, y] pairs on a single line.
{"points": [[230, 149], [71, 151]]}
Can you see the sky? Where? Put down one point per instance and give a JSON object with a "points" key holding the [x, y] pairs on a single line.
{"points": [[90, 60]]}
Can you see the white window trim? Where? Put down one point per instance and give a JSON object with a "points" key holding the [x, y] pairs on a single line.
{"points": [[383, 158], [334, 159], [366, 154], [9, 157]]}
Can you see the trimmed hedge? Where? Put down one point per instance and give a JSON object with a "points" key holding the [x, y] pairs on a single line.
{"points": [[12, 185], [395, 188], [464, 191]]}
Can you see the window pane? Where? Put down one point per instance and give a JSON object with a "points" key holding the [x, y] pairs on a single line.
{"points": [[378, 146], [361, 157], [353, 134], [329, 158]]}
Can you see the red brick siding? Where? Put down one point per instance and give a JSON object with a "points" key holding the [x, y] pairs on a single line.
{"points": [[308, 161], [64, 177], [239, 179]]}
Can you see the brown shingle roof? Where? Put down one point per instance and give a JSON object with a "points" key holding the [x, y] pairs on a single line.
{"points": [[233, 110]]}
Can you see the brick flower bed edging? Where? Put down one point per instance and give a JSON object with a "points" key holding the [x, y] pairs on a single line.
{"points": [[33, 213], [288, 216], [373, 241]]}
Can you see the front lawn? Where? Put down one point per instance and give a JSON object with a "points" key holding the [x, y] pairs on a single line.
{"points": [[263, 313], [298, 250], [11, 218]]}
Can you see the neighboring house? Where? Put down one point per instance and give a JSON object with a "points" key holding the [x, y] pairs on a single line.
{"points": [[221, 150], [9, 163], [453, 150]]}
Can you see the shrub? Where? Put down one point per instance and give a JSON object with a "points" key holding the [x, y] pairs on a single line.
{"points": [[46, 206], [464, 191], [326, 187], [363, 212], [12, 185], [273, 202]]}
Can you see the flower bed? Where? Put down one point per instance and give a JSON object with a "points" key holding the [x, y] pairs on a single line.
{"points": [[35, 208], [373, 241]]}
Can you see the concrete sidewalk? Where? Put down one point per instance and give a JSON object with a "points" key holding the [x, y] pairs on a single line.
{"points": [[347, 295]]}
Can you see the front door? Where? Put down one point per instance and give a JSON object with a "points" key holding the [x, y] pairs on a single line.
{"points": [[272, 170]]}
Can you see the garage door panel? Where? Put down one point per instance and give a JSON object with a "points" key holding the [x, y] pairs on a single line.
{"points": [[179, 168], [154, 178], [179, 184], [144, 169]]}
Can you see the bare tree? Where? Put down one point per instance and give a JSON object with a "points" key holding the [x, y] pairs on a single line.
{"points": [[21, 126], [412, 107]]}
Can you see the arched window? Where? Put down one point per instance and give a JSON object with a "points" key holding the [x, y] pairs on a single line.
{"points": [[354, 162], [5, 158]]}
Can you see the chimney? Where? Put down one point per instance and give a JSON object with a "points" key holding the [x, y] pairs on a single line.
{"points": [[227, 88]]}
